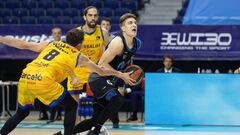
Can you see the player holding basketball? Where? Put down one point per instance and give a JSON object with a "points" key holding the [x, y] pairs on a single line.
{"points": [[109, 91], [93, 46], [41, 78]]}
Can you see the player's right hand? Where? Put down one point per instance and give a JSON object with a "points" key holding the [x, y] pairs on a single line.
{"points": [[127, 79]]}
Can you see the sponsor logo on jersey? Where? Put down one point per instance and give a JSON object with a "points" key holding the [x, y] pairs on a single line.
{"points": [[36, 77]]}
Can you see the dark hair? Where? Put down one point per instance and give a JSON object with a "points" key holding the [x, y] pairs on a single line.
{"points": [[85, 11], [74, 37], [107, 19], [168, 56], [125, 17]]}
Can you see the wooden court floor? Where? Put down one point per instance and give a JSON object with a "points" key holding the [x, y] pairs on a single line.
{"points": [[32, 126], [130, 129], [50, 132], [124, 132]]}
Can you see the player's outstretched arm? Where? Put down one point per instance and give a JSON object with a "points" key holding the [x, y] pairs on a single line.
{"points": [[103, 71], [20, 44]]}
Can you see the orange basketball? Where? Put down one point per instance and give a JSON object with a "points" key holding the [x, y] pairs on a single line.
{"points": [[137, 73]]}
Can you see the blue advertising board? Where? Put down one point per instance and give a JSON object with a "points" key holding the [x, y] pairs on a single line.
{"points": [[198, 99], [184, 42]]}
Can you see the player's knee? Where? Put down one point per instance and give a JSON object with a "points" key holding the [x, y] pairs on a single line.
{"points": [[73, 106], [75, 97], [23, 112], [118, 100], [111, 94]]}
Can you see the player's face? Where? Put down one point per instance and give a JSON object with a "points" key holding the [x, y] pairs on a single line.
{"points": [[91, 18], [167, 63], [56, 33], [130, 27], [79, 46], [106, 25]]}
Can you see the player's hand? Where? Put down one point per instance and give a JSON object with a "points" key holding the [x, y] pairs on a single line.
{"points": [[237, 71], [127, 79], [75, 81]]}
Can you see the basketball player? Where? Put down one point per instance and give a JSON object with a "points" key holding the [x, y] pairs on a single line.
{"points": [[41, 78], [106, 24], [93, 46], [56, 34], [109, 91]]}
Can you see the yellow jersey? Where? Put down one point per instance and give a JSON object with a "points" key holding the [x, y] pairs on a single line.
{"points": [[93, 48], [42, 77], [55, 61]]}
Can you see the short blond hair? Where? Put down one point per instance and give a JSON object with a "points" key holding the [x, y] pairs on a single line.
{"points": [[125, 17]]}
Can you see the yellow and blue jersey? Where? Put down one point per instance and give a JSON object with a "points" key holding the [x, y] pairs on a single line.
{"points": [[42, 77], [93, 48]]}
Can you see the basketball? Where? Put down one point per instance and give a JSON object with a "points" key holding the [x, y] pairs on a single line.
{"points": [[137, 73]]}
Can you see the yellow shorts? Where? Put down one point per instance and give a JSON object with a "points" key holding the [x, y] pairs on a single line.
{"points": [[82, 74], [45, 89]]}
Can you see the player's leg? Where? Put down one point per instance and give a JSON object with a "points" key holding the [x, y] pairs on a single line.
{"points": [[115, 100], [55, 94], [13, 121], [75, 97], [52, 114], [26, 101], [89, 123], [59, 113], [53, 111], [42, 110], [70, 106], [115, 120], [75, 90], [104, 91]]}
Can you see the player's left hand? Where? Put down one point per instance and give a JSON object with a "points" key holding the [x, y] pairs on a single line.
{"points": [[75, 81], [127, 79]]}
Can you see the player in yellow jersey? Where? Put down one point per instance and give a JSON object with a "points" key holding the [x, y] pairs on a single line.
{"points": [[93, 46], [41, 78]]}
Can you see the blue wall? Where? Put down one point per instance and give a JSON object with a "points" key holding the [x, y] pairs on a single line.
{"points": [[208, 99], [213, 12]]}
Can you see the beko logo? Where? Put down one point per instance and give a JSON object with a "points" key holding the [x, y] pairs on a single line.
{"points": [[196, 39]]}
